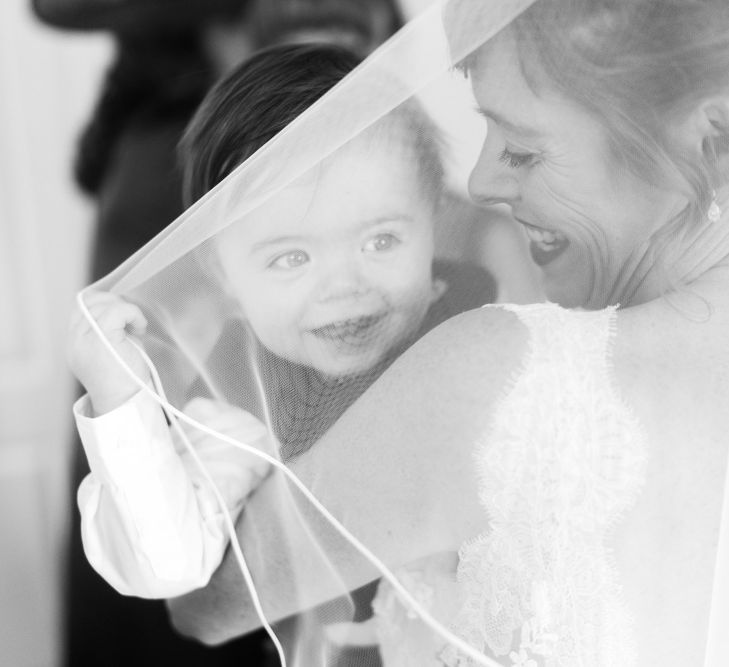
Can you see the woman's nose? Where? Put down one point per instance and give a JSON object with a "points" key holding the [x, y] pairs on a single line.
{"points": [[491, 181]]}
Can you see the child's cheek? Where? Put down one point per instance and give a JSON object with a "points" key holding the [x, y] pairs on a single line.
{"points": [[412, 278]]}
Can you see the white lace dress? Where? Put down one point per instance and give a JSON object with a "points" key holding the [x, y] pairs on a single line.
{"points": [[562, 462]]}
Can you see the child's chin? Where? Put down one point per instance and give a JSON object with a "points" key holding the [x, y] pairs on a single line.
{"points": [[347, 366]]}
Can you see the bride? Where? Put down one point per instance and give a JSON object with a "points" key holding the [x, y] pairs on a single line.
{"points": [[545, 482]]}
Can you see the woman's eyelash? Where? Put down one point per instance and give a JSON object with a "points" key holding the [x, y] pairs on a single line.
{"points": [[516, 160]]}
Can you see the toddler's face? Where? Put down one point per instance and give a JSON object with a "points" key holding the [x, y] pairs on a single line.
{"points": [[335, 272]]}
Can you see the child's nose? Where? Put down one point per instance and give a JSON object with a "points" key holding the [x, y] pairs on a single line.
{"points": [[342, 277]]}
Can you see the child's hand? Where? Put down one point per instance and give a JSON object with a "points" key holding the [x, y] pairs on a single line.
{"points": [[235, 472], [106, 382]]}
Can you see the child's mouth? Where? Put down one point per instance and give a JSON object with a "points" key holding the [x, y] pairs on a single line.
{"points": [[352, 332]]}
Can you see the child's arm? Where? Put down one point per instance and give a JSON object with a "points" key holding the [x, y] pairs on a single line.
{"points": [[235, 472], [150, 523]]}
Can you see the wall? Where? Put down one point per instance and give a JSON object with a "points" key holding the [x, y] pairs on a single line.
{"points": [[47, 83]]}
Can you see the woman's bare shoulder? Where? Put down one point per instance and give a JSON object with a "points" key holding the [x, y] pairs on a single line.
{"points": [[424, 416], [673, 370], [663, 338], [449, 377], [458, 369], [475, 344]]}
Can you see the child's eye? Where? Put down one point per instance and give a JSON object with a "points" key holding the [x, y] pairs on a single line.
{"points": [[515, 160], [381, 242], [290, 260]]}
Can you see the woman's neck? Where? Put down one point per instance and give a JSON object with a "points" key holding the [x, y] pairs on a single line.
{"points": [[699, 260]]}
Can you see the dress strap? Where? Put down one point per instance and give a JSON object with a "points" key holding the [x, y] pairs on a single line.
{"points": [[559, 466], [582, 338], [717, 649]]}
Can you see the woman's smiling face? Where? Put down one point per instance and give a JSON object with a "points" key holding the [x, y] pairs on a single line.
{"points": [[589, 222]]}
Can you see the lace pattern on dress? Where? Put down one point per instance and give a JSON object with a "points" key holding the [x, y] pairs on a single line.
{"points": [[563, 461]]}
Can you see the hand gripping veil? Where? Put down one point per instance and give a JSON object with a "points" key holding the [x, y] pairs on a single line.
{"points": [[292, 287]]}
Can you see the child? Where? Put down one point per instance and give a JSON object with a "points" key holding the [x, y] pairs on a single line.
{"points": [[334, 277]]}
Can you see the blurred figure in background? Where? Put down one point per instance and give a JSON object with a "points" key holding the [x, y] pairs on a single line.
{"points": [[359, 26], [166, 59]]}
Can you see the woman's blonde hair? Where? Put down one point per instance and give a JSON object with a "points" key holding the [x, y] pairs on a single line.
{"points": [[637, 67]]}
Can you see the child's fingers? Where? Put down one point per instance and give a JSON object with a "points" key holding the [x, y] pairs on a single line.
{"points": [[217, 454], [112, 314], [92, 300], [79, 326], [239, 422], [97, 302], [233, 422], [120, 318]]}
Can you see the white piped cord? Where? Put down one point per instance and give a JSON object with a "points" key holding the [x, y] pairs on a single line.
{"points": [[228, 520], [178, 415]]}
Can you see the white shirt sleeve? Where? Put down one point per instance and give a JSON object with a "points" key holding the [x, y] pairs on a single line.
{"points": [[150, 523]]}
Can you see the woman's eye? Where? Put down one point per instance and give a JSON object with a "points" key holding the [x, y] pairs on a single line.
{"points": [[515, 160], [290, 260], [381, 242]]}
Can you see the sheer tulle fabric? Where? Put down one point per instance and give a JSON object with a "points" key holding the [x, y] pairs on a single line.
{"points": [[389, 541]]}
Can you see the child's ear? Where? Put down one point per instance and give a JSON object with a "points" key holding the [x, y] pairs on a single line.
{"points": [[439, 288]]}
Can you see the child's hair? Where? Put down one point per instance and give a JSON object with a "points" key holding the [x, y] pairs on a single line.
{"points": [[262, 96]]}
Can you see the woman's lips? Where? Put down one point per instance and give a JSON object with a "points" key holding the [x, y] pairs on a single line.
{"points": [[545, 245]]}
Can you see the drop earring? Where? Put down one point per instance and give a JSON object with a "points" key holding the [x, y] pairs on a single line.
{"points": [[714, 210]]}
